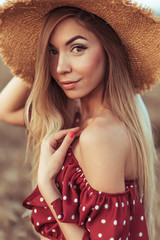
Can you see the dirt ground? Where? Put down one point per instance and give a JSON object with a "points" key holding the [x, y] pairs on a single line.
{"points": [[14, 172]]}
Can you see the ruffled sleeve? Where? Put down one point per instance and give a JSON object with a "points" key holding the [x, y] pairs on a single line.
{"points": [[106, 216], [42, 217]]}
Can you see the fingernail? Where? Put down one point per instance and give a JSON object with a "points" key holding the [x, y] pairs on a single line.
{"points": [[71, 134]]}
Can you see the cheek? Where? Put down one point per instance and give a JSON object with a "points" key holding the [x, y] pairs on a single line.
{"points": [[93, 63]]}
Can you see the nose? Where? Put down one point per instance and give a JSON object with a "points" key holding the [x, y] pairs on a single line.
{"points": [[63, 65]]}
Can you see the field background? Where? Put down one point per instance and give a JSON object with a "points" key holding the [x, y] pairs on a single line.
{"points": [[14, 172]]}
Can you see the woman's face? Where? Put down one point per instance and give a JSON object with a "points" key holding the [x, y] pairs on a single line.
{"points": [[77, 59]]}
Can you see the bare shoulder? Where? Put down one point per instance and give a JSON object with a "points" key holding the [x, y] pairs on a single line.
{"points": [[104, 147]]}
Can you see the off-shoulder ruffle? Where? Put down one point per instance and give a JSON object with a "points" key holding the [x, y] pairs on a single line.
{"points": [[103, 215]]}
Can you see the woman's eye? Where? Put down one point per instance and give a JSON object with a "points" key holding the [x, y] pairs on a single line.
{"points": [[78, 49], [53, 51]]}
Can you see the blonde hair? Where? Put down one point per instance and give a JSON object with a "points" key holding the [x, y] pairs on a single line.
{"points": [[48, 109]]}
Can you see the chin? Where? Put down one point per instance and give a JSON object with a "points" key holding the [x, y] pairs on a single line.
{"points": [[74, 95]]}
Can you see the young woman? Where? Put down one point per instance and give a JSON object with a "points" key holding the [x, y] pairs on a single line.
{"points": [[96, 180]]}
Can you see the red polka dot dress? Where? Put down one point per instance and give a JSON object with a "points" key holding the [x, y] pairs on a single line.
{"points": [[104, 216]]}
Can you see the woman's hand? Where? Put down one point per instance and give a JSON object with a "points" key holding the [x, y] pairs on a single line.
{"points": [[53, 152]]}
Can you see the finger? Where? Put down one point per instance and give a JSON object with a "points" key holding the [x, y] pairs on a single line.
{"points": [[77, 134], [66, 131], [59, 136], [62, 150]]}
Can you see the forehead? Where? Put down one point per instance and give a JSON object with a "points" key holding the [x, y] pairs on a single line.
{"points": [[68, 28]]}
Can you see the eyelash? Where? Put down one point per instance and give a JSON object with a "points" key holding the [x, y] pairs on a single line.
{"points": [[80, 47], [51, 51]]}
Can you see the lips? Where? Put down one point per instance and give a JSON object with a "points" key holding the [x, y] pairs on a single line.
{"points": [[69, 84]]}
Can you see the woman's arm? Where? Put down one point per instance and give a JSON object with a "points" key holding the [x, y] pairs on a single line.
{"points": [[51, 161], [70, 230], [12, 101]]}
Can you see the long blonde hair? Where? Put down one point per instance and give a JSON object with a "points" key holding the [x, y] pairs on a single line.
{"points": [[48, 109]]}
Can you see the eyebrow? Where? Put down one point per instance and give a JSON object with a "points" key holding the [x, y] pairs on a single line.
{"points": [[75, 38], [71, 40]]}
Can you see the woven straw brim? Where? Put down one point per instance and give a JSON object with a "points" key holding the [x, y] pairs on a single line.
{"points": [[139, 30]]}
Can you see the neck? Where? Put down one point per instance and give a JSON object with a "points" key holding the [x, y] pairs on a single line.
{"points": [[92, 107]]}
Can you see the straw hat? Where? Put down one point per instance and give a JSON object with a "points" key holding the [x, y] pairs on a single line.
{"points": [[138, 28]]}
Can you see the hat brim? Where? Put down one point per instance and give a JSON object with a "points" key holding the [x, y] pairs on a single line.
{"points": [[138, 28]]}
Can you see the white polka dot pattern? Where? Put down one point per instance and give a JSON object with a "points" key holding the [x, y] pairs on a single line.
{"points": [[103, 221], [104, 216], [115, 222], [64, 197], [62, 167], [73, 217], [96, 207], [116, 204], [99, 235], [83, 208], [106, 206], [124, 222]]}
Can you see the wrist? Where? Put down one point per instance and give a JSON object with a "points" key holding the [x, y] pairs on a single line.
{"points": [[45, 181], [49, 190]]}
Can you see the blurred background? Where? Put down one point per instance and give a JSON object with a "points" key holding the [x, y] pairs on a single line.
{"points": [[14, 172], [15, 183]]}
